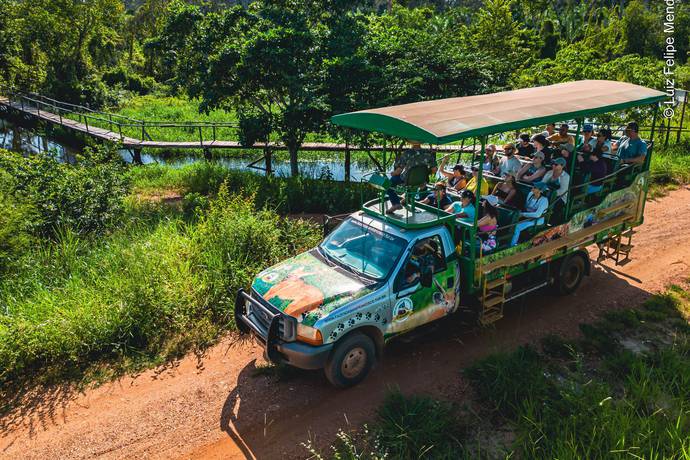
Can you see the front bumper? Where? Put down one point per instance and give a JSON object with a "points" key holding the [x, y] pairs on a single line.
{"points": [[277, 332]]}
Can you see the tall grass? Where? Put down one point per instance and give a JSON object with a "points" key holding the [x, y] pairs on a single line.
{"points": [[285, 195], [148, 292]]}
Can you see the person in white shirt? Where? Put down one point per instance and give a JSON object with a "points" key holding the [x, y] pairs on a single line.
{"points": [[509, 164], [558, 179], [535, 207]]}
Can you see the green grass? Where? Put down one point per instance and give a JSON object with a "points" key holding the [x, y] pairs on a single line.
{"points": [[284, 195], [670, 168], [620, 391], [150, 291]]}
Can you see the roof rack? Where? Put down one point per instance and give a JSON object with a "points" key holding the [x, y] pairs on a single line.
{"points": [[413, 216]]}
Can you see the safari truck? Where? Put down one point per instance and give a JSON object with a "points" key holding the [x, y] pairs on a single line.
{"points": [[379, 274]]}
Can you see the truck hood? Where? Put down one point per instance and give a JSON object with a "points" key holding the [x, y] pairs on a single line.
{"points": [[307, 288]]}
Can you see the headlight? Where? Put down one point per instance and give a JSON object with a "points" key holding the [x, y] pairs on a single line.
{"points": [[308, 334]]}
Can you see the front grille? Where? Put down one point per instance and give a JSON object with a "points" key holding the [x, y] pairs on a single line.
{"points": [[263, 313]]}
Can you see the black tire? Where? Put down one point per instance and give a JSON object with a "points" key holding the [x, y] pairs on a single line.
{"points": [[570, 274], [351, 360]]}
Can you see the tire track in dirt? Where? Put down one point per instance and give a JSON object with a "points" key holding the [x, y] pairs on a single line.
{"points": [[217, 406]]}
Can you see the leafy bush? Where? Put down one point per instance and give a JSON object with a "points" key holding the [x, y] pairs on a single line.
{"points": [[87, 197], [126, 79]]}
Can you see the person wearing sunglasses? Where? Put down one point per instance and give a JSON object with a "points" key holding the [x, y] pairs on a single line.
{"points": [[509, 164]]}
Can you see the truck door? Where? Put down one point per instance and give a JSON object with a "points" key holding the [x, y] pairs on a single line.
{"points": [[425, 288]]}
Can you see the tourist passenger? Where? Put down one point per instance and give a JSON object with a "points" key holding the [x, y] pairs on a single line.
{"points": [[541, 144], [464, 209], [562, 136], [488, 224], [472, 183], [558, 180], [587, 141], [596, 168], [534, 171], [565, 151], [491, 161], [550, 130], [535, 207], [509, 164], [524, 147], [630, 148], [439, 196], [457, 180], [507, 192], [602, 142]]}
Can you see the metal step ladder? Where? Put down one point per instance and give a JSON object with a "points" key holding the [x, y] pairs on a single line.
{"points": [[617, 247], [493, 298]]}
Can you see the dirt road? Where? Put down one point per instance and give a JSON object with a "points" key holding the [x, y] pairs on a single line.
{"points": [[218, 406]]}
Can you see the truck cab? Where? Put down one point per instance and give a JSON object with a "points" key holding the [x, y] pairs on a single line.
{"points": [[335, 306]]}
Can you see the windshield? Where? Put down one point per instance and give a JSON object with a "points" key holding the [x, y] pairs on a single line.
{"points": [[364, 249]]}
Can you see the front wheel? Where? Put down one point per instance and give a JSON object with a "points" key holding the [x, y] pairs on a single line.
{"points": [[351, 360], [570, 275]]}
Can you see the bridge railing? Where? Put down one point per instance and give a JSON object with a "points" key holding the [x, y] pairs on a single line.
{"points": [[122, 126]]}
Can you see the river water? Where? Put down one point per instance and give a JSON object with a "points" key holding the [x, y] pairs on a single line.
{"points": [[311, 164]]}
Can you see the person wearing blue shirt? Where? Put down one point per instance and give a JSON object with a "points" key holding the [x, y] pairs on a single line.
{"points": [[464, 209], [631, 149], [439, 196], [535, 207]]}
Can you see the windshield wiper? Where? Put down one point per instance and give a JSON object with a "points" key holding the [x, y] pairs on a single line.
{"points": [[327, 257]]}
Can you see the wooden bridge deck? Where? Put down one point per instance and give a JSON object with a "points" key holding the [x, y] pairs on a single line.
{"points": [[133, 143]]}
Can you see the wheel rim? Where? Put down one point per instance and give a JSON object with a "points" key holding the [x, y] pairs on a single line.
{"points": [[572, 274], [354, 362]]}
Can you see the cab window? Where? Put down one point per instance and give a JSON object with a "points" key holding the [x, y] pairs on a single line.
{"points": [[427, 258]]}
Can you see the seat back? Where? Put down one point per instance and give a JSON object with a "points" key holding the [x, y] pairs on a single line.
{"points": [[416, 176]]}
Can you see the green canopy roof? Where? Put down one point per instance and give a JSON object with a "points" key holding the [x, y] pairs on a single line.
{"points": [[447, 120]]}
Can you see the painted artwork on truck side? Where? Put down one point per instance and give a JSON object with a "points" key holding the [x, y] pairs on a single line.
{"points": [[307, 288], [426, 304]]}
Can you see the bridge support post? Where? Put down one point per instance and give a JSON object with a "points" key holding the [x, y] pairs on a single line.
{"points": [[348, 162], [268, 155], [136, 156], [207, 154]]}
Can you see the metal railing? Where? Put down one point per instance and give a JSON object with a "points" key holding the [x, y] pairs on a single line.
{"points": [[122, 126]]}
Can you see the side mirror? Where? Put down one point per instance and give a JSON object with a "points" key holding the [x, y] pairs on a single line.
{"points": [[426, 279]]}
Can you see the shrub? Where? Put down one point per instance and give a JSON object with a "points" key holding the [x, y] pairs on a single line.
{"points": [[88, 196], [128, 80]]}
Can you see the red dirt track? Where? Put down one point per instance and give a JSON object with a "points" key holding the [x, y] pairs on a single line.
{"points": [[217, 406]]}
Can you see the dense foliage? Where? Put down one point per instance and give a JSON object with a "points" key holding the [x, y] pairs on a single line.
{"points": [[87, 196]]}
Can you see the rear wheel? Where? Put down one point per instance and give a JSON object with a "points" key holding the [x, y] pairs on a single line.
{"points": [[570, 274], [351, 360]]}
